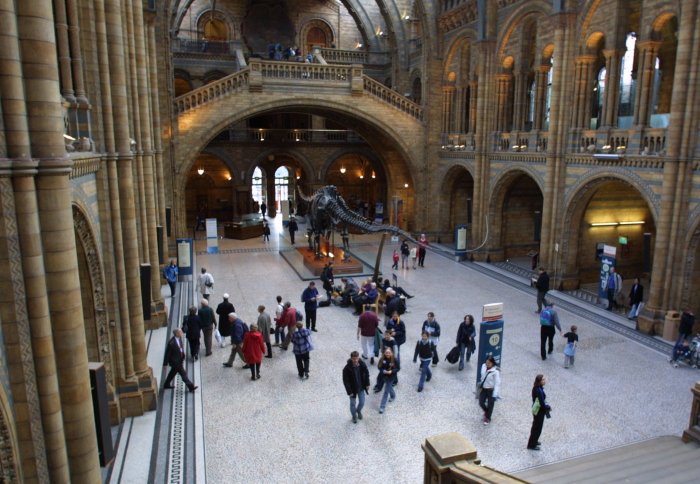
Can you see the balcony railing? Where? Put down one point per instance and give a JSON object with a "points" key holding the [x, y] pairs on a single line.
{"points": [[263, 135], [205, 46], [337, 56]]}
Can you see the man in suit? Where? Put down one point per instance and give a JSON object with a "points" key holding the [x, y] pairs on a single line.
{"points": [[175, 357]]}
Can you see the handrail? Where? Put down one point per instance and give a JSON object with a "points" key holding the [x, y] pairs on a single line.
{"points": [[400, 102], [304, 71], [236, 82]]}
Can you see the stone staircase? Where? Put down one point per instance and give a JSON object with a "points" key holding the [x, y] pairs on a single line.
{"points": [[584, 295], [664, 459], [516, 269]]}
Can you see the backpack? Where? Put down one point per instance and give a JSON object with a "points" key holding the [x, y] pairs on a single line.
{"points": [[546, 318], [209, 282], [453, 355], [300, 316]]}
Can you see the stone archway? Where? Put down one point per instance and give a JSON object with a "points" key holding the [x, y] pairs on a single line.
{"points": [[457, 194], [606, 200], [92, 289], [515, 216], [10, 470], [690, 292]]}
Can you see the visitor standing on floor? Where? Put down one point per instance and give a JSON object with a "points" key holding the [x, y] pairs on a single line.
{"points": [[253, 350], [289, 320], [208, 324], [238, 331], [540, 411], [366, 330], [293, 227], [613, 287], [422, 248], [279, 327], [542, 286], [414, 256], [405, 253], [170, 274], [205, 283], [636, 299], [302, 346], [193, 329], [465, 339], [265, 327], [223, 310], [175, 357], [310, 299], [399, 329], [388, 367], [549, 323], [328, 279], [263, 209], [266, 232], [489, 387], [425, 350], [432, 327], [356, 381], [395, 259], [685, 330], [570, 348]]}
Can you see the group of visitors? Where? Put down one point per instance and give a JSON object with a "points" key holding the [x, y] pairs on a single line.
{"points": [[416, 254], [277, 52]]}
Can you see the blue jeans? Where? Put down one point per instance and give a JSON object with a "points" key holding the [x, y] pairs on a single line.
{"points": [[358, 399], [279, 334], [463, 349], [425, 373], [388, 391]]}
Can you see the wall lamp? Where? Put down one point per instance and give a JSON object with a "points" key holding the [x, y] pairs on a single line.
{"points": [[200, 171], [615, 224], [342, 170]]}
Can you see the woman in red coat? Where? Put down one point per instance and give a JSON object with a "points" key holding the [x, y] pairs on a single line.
{"points": [[253, 350]]}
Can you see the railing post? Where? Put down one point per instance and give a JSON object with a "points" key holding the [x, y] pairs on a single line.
{"points": [[442, 452], [255, 78], [357, 84]]}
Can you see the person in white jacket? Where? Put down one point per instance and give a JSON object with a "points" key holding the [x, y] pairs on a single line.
{"points": [[490, 386]]}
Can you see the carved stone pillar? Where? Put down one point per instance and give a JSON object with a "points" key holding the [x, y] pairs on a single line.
{"points": [[520, 101], [582, 91], [503, 83], [45, 124], [612, 86], [448, 93], [473, 93], [540, 96], [647, 62], [459, 124]]}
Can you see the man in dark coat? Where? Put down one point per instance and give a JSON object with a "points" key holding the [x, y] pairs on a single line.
{"points": [[293, 227], [175, 357], [542, 286], [685, 330], [223, 310], [356, 381]]}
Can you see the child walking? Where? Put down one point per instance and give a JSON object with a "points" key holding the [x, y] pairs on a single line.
{"points": [[395, 257], [570, 348]]}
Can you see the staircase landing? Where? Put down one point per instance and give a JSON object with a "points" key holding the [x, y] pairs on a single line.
{"points": [[664, 459]]}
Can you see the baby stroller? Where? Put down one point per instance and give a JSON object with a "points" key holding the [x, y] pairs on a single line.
{"points": [[687, 352]]}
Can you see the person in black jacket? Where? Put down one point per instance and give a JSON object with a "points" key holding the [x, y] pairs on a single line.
{"points": [[685, 330], [193, 329], [636, 298], [356, 381], [538, 416], [542, 286], [293, 227], [465, 339], [175, 357], [223, 310], [388, 367], [425, 349]]}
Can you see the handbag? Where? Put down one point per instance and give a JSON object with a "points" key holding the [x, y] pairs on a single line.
{"points": [[218, 337], [536, 406]]}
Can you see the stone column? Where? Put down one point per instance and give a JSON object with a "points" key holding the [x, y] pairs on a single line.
{"points": [[503, 82], [115, 41], [459, 110], [473, 93], [647, 60], [448, 93], [158, 144], [582, 92], [45, 123], [270, 187], [83, 111], [63, 50], [612, 86], [540, 96], [665, 287], [520, 101], [126, 377], [158, 317]]}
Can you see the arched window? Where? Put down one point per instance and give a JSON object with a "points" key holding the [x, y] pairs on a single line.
{"points": [[417, 90], [627, 83], [597, 98], [281, 185], [215, 30], [256, 185]]}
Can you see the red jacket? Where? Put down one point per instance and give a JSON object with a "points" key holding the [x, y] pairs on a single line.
{"points": [[253, 347], [289, 317]]}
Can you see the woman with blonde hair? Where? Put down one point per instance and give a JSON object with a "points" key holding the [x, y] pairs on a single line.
{"points": [[388, 367]]}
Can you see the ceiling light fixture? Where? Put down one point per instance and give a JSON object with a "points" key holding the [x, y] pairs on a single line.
{"points": [[342, 170], [200, 171]]}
